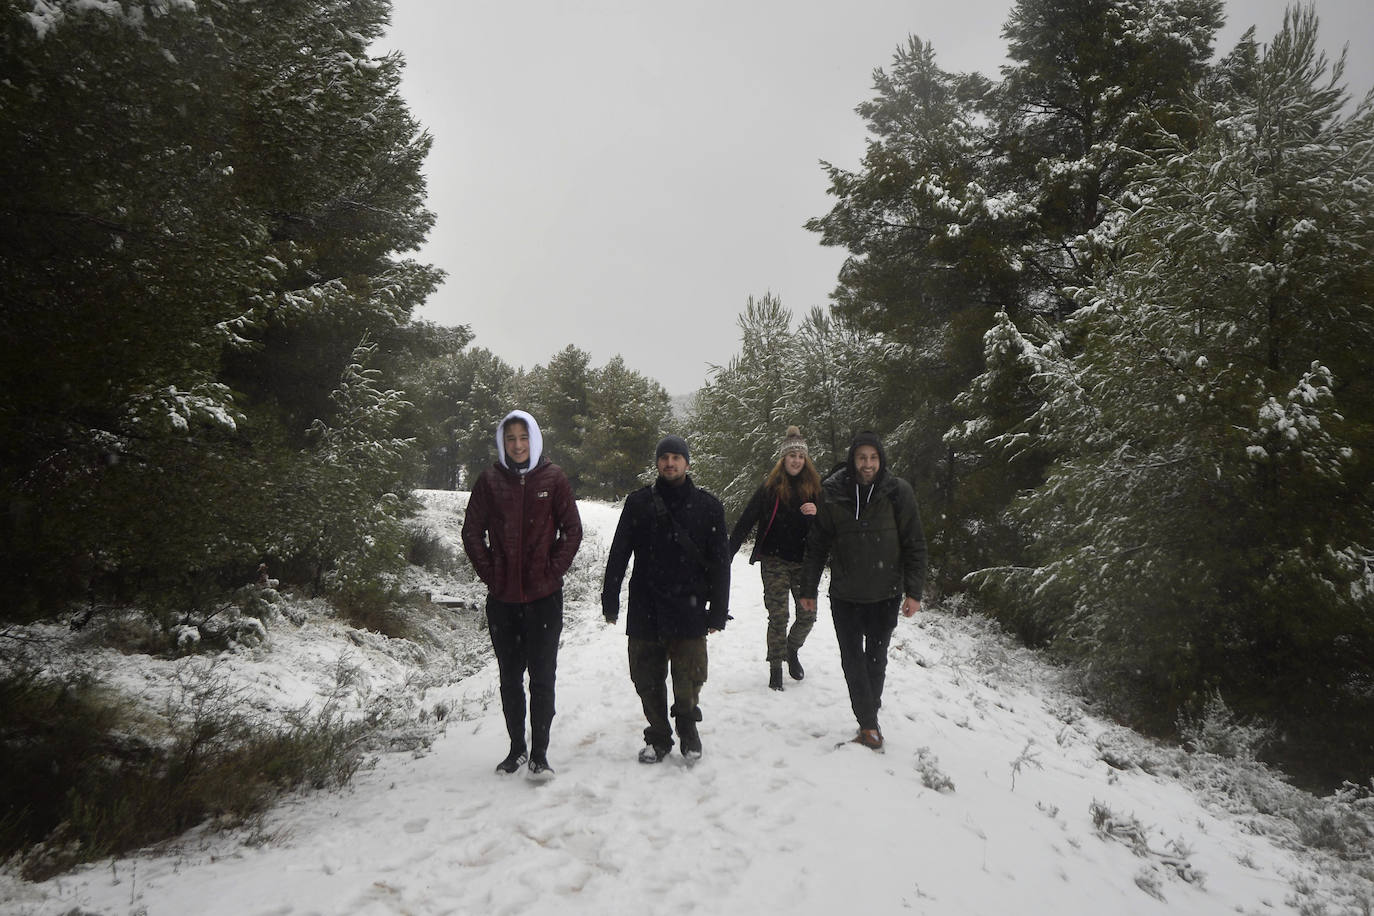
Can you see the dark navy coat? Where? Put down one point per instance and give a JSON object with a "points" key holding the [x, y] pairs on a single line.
{"points": [[676, 591]]}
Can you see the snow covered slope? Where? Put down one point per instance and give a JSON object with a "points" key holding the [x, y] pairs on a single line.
{"points": [[993, 797]]}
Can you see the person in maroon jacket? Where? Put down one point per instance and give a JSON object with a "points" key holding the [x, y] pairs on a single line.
{"points": [[521, 532]]}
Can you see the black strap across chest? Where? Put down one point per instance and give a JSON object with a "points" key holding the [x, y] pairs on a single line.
{"points": [[684, 539]]}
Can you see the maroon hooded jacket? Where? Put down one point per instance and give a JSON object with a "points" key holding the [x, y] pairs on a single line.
{"points": [[521, 531]]}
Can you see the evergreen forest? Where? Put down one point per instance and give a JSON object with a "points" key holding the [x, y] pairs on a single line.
{"points": [[1111, 313], [211, 360], [1109, 309]]}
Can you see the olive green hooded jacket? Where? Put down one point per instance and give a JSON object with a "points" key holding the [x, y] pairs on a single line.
{"points": [[870, 534]]}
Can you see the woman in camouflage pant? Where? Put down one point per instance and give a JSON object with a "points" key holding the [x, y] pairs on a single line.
{"points": [[781, 511]]}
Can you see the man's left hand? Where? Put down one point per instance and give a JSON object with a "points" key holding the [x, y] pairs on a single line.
{"points": [[910, 606]]}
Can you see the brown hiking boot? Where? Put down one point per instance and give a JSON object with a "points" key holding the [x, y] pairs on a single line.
{"points": [[870, 738]]}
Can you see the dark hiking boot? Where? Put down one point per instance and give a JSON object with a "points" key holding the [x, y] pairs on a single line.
{"points": [[513, 762], [775, 677], [689, 739], [794, 665], [870, 738], [540, 769], [650, 753]]}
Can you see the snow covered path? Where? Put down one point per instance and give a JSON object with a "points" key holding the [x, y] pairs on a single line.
{"points": [[774, 819]]}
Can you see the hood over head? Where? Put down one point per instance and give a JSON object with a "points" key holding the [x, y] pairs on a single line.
{"points": [[536, 439], [867, 437]]}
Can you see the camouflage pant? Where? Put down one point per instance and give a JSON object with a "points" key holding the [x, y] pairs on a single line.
{"points": [[779, 578], [650, 663]]}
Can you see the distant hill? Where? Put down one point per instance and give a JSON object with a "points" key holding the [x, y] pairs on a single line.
{"points": [[681, 403]]}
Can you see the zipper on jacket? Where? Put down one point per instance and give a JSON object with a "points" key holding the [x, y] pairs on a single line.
{"points": [[520, 540]]}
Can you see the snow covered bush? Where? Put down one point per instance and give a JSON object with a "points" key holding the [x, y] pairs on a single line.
{"points": [[583, 581], [187, 638], [1216, 730], [932, 777], [99, 774], [429, 548]]}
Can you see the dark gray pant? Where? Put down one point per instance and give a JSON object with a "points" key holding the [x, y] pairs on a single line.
{"points": [[651, 661], [864, 632], [525, 637]]}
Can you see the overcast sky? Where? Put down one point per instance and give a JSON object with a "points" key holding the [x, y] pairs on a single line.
{"points": [[623, 175]]}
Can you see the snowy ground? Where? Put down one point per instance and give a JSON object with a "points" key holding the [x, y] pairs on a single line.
{"points": [[992, 797]]}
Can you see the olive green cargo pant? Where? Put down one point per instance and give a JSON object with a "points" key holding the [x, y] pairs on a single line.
{"points": [[651, 663]]}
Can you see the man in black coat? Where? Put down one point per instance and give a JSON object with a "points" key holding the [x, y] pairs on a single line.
{"points": [[679, 592]]}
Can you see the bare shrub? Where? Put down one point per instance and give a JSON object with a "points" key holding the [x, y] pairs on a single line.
{"points": [[86, 779]]}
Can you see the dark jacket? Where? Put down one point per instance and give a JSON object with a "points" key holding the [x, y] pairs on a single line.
{"points": [[522, 531], [871, 536], [672, 594], [781, 527]]}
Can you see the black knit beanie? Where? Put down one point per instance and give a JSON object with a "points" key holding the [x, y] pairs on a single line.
{"points": [[675, 444]]}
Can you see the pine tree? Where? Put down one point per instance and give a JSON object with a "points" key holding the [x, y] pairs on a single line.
{"points": [[627, 415], [561, 404], [819, 377], [839, 390], [358, 475], [738, 417], [1086, 82], [461, 397], [1207, 525], [977, 198], [427, 358], [202, 223]]}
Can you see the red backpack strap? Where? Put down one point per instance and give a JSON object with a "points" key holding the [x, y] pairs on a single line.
{"points": [[769, 527]]}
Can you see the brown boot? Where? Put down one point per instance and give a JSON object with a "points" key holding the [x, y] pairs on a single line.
{"points": [[870, 738]]}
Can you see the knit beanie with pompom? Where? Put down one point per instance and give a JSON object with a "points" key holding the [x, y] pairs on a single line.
{"points": [[793, 442]]}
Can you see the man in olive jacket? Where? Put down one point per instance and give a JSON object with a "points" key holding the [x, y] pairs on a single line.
{"points": [[869, 530], [679, 592]]}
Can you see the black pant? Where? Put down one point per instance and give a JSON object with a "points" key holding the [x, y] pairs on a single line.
{"points": [[525, 636], [651, 660], [863, 632]]}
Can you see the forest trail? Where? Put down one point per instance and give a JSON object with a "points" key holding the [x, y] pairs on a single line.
{"points": [[983, 803]]}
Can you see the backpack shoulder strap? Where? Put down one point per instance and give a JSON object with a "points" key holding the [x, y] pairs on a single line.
{"points": [[680, 535]]}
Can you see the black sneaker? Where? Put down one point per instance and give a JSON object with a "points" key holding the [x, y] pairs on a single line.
{"points": [[540, 769], [651, 754], [513, 762], [794, 665]]}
